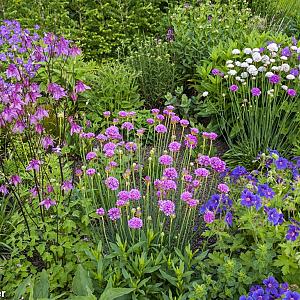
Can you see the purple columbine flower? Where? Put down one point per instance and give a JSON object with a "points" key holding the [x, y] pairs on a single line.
{"points": [[274, 79], [255, 92], [209, 216], [114, 213], [135, 223], [47, 203], [81, 87], [67, 185], [291, 92], [47, 142], [15, 180], [3, 190], [56, 91], [75, 128], [34, 164], [112, 183], [233, 88]]}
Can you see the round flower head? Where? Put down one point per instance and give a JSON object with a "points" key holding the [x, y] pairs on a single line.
{"points": [[128, 126], [191, 141], [135, 223], [192, 202], [106, 114], [122, 114], [112, 132], [291, 92], [90, 172], [114, 213], [201, 172], [170, 173], [233, 88], [167, 207], [100, 211], [255, 92], [175, 119], [131, 146], [184, 123], [174, 146], [124, 195], [217, 164], [161, 128], [135, 194], [223, 188], [160, 117], [208, 217], [166, 160], [155, 111], [150, 121], [185, 196], [91, 155], [203, 160], [67, 185], [274, 79], [112, 183], [194, 131]]}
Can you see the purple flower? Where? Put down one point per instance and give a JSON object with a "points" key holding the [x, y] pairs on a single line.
{"points": [[281, 163], [286, 52], [75, 128], [291, 92], [274, 216], [3, 189], [201, 172], [47, 203], [128, 126], [113, 132], [135, 194], [13, 72], [228, 218], [184, 123], [67, 185], [249, 199], [289, 295], [114, 213], [124, 196], [274, 79], [255, 91], [167, 207], [271, 285], [166, 160], [216, 72], [175, 119], [150, 121], [209, 216], [217, 164], [233, 88], [185, 196], [90, 172], [161, 128], [47, 142], [174, 146], [135, 223], [203, 160], [237, 172], [100, 211], [292, 233], [112, 183], [131, 146], [223, 188], [265, 191], [56, 91], [15, 180], [34, 164], [170, 173], [106, 114], [81, 87], [190, 141], [294, 72], [91, 155]]}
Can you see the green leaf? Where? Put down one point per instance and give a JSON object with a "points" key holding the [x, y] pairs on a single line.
{"points": [[113, 293], [22, 288], [82, 284], [41, 286]]}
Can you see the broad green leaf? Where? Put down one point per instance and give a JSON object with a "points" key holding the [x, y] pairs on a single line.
{"points": [[113, 293], [82, 284]]}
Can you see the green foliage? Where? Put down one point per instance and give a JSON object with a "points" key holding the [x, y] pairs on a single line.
{"points": [[102, 28], [157, 74]]}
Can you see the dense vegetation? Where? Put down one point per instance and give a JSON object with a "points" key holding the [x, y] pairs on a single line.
{"points": [[150, 150]]}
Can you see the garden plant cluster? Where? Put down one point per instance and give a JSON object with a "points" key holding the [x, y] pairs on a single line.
{"points": [[150, 150]]}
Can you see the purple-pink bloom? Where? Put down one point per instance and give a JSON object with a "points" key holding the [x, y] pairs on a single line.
{"points": [[91, 155], [131, 146], [106, 114], [135, 194], [124, 195], [191, 141], [114, 213], [3, 189], [184, 123], [75, 128], [274, 79], [192, 202], [174, 146], [90, 172], [34, 164], [56, 91], [234, 88], [201, 172], [170, 173], [175, 119], [128, 126], [47, 203], [161, 128], [166, 160], [81, 87], [185, 196], [209, 216], [150, 121], [291, 92], [217, 164], [47, 142], [67, 185], [135, 223], [255, 91], [167, 207], [113, 132], [223, 188], [203, 160], [100, 211], [112, 183]]}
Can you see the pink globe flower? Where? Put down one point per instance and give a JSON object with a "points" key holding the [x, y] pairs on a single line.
{"points": [[114, 213], [223, 188], [135, 194], [100, 211], [161, 128], [112, 183], [135, 223], [166, 160], [174, 146], [201, 172], [90, 172], [167, 207], [209, 217], [91, 155]]}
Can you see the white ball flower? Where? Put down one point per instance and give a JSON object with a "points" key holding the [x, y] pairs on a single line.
{"points": [[232, 72], [273, 47], [247, 51], [284, 87], [272, 60], [238, 63], [226, 76], [294, 48], [230, 66], [275, 68], [205, 94], [265, 59], [269, 74], [229, 62], [252, 70], [290, 77], [244, 65], [256, 50], [236, 52], [249, 60], [261, 69], [244, 74], [238, 78], [283, 58], [256, 56], [285, 67]]}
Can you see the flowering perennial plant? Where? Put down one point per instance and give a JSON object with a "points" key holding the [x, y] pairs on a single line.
{"points": [[262, 85]]}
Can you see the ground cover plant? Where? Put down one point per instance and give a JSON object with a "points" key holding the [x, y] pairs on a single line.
{"points": [[113, 182]]}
